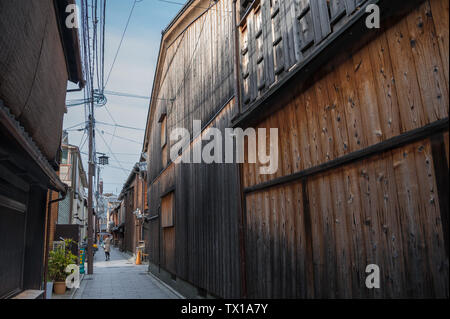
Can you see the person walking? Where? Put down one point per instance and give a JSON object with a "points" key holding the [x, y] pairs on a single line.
{"points": [[107, 247]]}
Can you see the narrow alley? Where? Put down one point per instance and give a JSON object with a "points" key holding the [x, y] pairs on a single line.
{"points": [[238, 149], [120, 278]]}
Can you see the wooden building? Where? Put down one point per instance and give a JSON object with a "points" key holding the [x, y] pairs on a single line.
{"points": [[134, 205], [362, 119], [73, 209], [38, 57], [117, 226]]}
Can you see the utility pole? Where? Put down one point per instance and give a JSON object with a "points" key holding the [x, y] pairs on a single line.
{"points": [[91, 189]]}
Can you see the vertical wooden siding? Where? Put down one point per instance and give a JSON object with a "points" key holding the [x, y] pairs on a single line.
{"points": [[314, 238], [197, 78], [206, 221], [130, 221], [384, 89], [197, 84]]}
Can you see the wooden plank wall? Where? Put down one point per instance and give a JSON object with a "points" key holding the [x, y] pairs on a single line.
{"points": [[197, 78], [314, 238], [130, 220], [206, 220], [33, 74], [198, 73]]}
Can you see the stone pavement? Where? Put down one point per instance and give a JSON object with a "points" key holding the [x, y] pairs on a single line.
{"points": [[120, 278]]}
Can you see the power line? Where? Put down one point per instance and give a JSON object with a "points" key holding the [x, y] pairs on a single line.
{"points": [[99, 100], [109, 148], [69, 128], [112, 183], [103, 45], [121, 126], [121, 41], [81, 147], [110, 115], [82, 138], [114, 134], [121, 138], [120, 162], [134, 96], [122, 169]]}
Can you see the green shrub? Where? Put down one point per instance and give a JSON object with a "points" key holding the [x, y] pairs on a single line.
{"points": [[59, 259]]}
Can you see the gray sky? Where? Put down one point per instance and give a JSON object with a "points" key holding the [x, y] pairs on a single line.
{"points": [[133, 73]]}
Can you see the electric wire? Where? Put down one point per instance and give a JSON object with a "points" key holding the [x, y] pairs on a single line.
{"points": [[121, 138], [121, 41], [110, 150], [120, 126]]}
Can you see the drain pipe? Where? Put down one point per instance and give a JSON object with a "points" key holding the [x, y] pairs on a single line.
{"points": [[47, 243]]}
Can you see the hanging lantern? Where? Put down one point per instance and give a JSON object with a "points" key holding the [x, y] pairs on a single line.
{"points": [[103, 160]]}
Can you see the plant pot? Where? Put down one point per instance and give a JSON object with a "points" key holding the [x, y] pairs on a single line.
{"points": [[59, 287]]}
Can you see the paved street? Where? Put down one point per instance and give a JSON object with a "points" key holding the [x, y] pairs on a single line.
{"points": [[121, 279]]}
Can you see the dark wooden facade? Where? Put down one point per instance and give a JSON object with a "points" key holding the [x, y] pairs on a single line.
{"points": [[195, 81], [363, 149], [37, 48], [117, 219], [38, 56], [361, 154], [133, 199]]}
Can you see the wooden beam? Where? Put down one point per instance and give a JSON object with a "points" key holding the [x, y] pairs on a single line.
{"points": [[392, 143]]}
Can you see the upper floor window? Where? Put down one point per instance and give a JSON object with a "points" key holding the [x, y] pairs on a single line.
{"points": [[167, 210], [163, 121], [65, 156]]}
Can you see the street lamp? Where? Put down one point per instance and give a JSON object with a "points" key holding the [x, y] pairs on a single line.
{"points": [[103, 160]]}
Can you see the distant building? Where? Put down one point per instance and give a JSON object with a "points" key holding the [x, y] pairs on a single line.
{"points": [[117, 225], [135, 207], [73, 209], [105, 206], [112, 203]]}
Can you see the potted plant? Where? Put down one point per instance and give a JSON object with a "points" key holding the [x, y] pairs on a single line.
{"points": [[59, 259]]}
